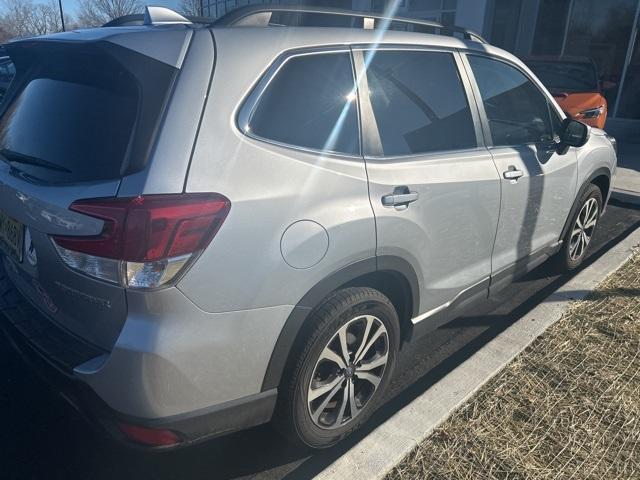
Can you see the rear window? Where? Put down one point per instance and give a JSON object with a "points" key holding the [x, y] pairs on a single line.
{"points": [[73, 128], [81, 113]]}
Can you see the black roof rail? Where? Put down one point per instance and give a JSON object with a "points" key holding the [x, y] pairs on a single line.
{"points": [[259, 15]]}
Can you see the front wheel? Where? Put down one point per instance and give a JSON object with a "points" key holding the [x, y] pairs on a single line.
{"points": [[583, 226], [341, 369]]}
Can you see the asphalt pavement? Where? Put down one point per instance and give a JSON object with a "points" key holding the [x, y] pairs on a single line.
{"points": [[43, 438]]}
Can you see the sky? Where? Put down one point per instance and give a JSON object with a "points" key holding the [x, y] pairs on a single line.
{"points": [[71, 6]]}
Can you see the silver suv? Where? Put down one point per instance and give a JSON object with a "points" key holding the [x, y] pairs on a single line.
{"points": [[207, 227]]}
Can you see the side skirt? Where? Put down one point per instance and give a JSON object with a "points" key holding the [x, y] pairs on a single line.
{"points": [[435, 318], [427, 322]]}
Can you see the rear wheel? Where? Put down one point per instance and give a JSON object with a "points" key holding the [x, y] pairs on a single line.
{"points": [[341, 369], [583, 226]]}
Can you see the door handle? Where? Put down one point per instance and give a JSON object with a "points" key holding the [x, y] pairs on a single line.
{"points": [[401, 197], [513, 174]]}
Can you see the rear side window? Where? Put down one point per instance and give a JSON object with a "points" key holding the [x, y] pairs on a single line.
{"points": [[311, 103], [419, 102], [517, 111]]}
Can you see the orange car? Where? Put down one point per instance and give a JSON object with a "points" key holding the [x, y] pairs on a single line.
{"points": [[573, 81]]}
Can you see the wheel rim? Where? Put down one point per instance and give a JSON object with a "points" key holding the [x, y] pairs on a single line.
{"points": [[583, 229], [348, 372]]}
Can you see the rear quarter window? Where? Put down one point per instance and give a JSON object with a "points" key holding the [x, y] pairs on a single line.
{"points": [[310, 103]]}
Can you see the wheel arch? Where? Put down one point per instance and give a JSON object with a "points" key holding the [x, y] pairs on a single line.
{"points": [[601, 178], [393, 276]]}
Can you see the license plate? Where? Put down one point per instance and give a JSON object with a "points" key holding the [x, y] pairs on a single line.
{"points": [[11, 237]]}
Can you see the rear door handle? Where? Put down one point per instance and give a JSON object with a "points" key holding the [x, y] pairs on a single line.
{"points": [[401, 197], [513, 174]]}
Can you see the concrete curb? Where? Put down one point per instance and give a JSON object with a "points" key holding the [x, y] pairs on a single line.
{"points": [[375, 455]]}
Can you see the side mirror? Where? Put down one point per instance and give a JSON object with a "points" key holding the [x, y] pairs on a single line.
{"points": [[573, 134]]}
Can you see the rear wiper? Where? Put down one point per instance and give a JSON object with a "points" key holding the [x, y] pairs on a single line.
{"points": [[11, 157]]}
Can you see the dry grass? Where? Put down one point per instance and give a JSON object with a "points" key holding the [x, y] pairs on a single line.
{"points": [[568, 407]]}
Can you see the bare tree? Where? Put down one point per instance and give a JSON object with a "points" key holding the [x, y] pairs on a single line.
{"points": [[45, 18], [21, 18], [98, 12], [15, 17], [5, 35], [191, 7]]}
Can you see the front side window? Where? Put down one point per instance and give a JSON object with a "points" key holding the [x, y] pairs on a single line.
{"points": [[311, 103], [419, 102], [517, 111]]}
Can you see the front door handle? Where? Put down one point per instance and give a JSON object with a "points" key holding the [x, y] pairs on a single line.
{"points": [[513, 173], [401, 197]]}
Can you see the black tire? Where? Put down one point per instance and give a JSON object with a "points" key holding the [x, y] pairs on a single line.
{"points": [[567, 258], [293, 417]]}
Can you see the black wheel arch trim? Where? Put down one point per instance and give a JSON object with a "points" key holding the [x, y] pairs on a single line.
{"points": [[312, 298], [602, 171]]}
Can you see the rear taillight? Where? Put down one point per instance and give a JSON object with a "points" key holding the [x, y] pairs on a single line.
{"points": [[146, 241]]}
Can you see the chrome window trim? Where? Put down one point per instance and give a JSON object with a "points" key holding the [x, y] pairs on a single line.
{"points": [[441, 154], [252, 100]]}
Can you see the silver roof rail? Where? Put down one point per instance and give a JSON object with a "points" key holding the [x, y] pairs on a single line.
{"points": [[260, 16]]}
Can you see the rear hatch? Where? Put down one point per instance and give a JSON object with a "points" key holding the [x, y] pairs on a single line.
{"points": [[78, 117]]}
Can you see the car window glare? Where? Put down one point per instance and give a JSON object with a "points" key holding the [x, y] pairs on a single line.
{"points": [[311, 103], [419, 103]]}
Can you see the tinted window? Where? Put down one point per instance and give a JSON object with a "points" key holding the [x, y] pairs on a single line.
{"points": [[311, 103], [419, 102], [80, 130], [517, 111]]}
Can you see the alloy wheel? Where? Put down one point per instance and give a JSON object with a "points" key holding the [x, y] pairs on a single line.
{"points": [[348, 372], [583, 229]]}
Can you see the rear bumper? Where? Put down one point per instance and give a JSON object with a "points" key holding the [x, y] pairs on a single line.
{"points": [[51, 353]]}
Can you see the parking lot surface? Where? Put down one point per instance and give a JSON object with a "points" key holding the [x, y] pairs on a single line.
{"points": [[43, 438]]}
